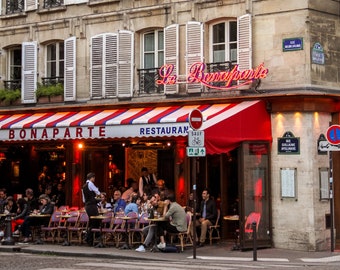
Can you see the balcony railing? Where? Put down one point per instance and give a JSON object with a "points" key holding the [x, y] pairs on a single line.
{"points": [[53, 3], [147, 81], [52, 80], [15, 6], [12, 84], [220, 67]]}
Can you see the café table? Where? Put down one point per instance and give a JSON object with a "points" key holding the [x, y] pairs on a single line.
{"points": [[126, 219], [39, 219], [234, 218], [155, 221], [100, 217]]}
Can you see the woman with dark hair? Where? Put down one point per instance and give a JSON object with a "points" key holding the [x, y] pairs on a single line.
{"points": [[22, 212], [132, 206]]}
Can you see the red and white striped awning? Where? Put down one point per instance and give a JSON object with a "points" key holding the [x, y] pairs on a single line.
{"points": [[164, 121]]}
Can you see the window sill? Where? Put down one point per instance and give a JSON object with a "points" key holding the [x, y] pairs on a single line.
{"points": [[51, 10], [101, 2], [13, 16]]}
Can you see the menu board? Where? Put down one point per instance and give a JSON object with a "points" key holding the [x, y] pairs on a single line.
{"points": [[288, 182]]}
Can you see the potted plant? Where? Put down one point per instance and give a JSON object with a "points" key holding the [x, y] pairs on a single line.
{"points": [[47, 93], [9, 97]]}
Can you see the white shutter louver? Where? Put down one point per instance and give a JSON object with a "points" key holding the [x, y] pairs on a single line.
{"points": [[171, 54], [244, 37], [111, 66], [96, 66], [29, 72], [125, 63], [31, 5], [70, 69], [194, 51]]}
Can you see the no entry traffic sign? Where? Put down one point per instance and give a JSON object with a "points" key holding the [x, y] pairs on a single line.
{"points": [[195, 119]]}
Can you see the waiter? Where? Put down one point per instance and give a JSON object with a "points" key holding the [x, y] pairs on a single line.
{"points": [[90, 191]]}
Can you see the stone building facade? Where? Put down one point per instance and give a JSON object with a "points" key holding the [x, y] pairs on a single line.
{"points": [[108, 53]]}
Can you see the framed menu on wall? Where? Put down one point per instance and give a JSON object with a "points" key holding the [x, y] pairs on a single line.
{"points": [[288, 182]]}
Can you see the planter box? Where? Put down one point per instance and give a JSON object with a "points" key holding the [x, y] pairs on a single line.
{"points": [[55, 99]]}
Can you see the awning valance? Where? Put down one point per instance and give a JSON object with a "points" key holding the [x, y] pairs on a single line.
{"points": [[222, 123]]}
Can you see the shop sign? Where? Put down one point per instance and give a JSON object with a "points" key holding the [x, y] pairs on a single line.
{"points": [[292, 44], [197, 74], [318, 55], [288, 144]]}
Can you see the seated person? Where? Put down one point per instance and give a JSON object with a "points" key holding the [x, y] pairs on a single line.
{"points": [[133, 188], [132, 206], [208, 212], [22, 212], [118, 203], [104, 205], [178, 222], [11, 206], [46, 209]]}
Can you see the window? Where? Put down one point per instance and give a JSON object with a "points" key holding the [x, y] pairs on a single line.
{"points": [[55, 61], [14, 6], [224, 42], [153, 49], [14, 69]]}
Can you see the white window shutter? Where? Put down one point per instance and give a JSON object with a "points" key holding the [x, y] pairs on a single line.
{"points": [[70, 69], [111, 65], [96, 66], [171, 40], [29, 72], [125, 63], [31, 5], [244, 37], [194, 51]]}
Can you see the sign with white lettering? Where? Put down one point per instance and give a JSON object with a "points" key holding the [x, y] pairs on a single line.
{"points": [[292, 44], [325, 146], [288, 144]]}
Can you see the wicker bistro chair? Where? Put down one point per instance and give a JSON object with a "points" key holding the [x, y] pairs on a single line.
{"points": [[184, 238], [51, 228], [76, 233], [214, 230], [138, 230], [105, 224], [116, 230], [66, 224], [132, 224]]}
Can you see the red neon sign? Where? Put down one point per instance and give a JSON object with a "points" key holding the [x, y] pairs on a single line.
{"points": [[197, 75]]}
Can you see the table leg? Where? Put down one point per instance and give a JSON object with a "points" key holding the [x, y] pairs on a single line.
{"points": [[126, 244]]}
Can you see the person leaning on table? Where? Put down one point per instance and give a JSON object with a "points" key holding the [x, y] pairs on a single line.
{"points": [[46, 209], [89, 192]]}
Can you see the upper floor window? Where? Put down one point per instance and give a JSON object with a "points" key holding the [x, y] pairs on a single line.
{"points": [[153, 49], [13, 78], [55, 61], [53, 3], [14, 6], [224, 42]]}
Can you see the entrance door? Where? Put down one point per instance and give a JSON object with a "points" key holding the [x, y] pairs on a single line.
{"points": [[254, 192]]}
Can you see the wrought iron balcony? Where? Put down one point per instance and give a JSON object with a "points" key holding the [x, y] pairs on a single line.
{"points": [[15, 6], [52, 80], [147, 81], [220, 67], [12, 84], [53, 3]]}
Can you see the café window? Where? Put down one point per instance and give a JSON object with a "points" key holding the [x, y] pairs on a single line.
{"points": [[54, 63], [224, 42], [14, 69]]}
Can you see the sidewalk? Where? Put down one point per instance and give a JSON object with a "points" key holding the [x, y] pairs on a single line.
{"points": [[217, 252]]}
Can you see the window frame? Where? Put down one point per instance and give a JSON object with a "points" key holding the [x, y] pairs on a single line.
{"points": [[227, 43], [156, 50], [58, 61]]}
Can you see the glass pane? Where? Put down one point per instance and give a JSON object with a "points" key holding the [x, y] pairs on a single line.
{"points": [[232, 31], [219, 53], [149, 60], [219, 33], [160, 59], [16, 53], [51, 69], [61, 50], [51, 52], [16, 73], [160, 40], [256, 197], [149, 42], [61, 68], [233, 52]]}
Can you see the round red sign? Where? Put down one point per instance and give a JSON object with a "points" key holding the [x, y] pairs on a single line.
{"points": [[195, 119]]}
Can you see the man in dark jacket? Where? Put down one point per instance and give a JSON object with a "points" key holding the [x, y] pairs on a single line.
{"points": [[90, 191], [208, 212]]}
